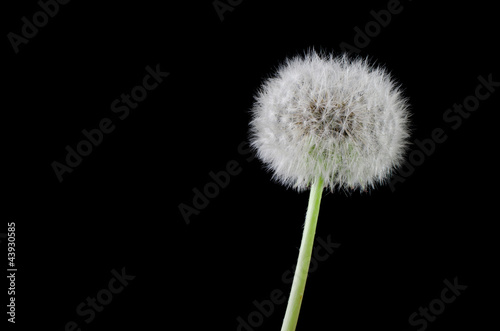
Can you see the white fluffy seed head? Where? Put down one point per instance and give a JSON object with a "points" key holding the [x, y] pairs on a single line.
{"points": [[338, 118]]}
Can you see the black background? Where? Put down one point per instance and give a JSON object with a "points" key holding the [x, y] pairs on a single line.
{"points": [[120, 207]]}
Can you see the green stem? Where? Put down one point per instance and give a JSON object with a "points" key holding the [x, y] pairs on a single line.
{"points": [[302, 269]]}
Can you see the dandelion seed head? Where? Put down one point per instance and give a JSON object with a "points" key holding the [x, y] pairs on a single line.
{"points": [[335, 117]]}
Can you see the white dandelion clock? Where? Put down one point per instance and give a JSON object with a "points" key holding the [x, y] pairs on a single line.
{"points": [[327, 122], [338, 118]]}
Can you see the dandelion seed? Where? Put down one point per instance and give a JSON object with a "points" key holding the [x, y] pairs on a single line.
{"points": [[335, 117]]}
